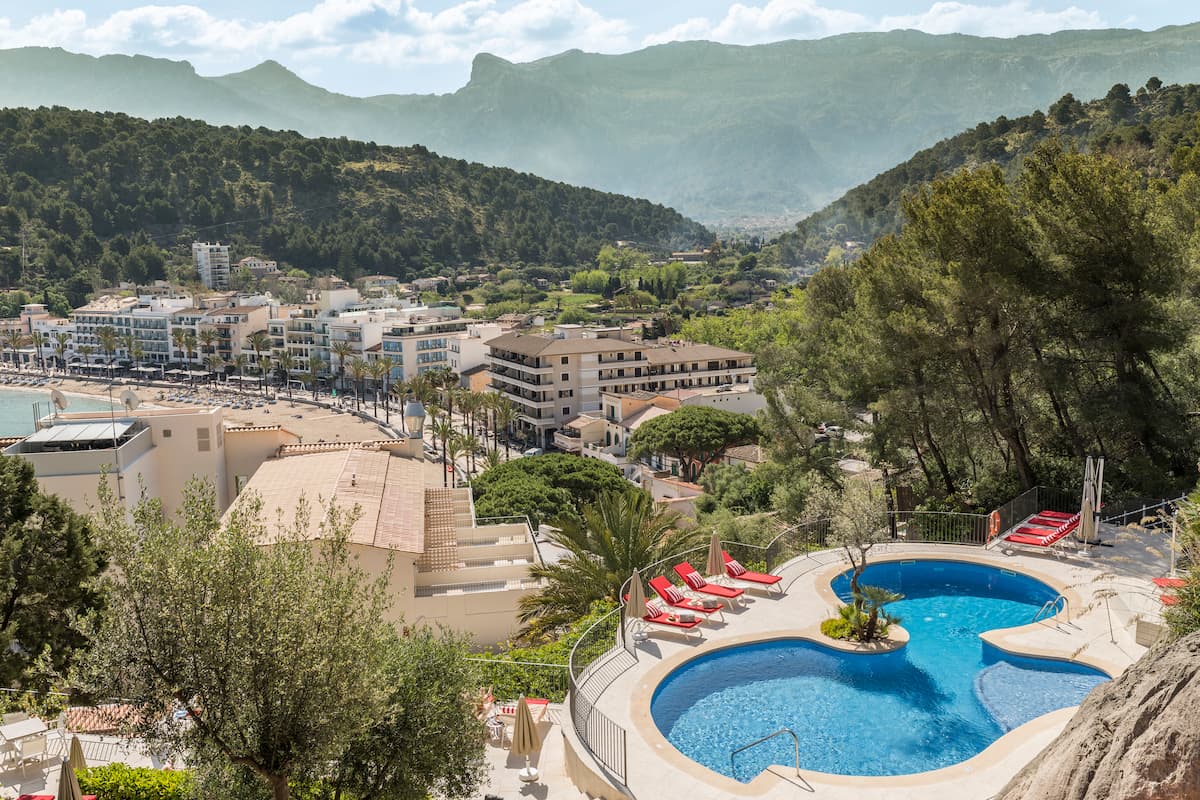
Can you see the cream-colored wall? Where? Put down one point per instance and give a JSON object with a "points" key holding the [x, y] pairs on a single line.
{"points": [[247, 449]]}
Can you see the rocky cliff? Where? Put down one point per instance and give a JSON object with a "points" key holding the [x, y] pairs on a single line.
{"points": [[1136, 738]]}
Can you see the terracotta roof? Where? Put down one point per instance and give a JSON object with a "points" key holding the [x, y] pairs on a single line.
{"points": [[751, 453], [676, 354], [229, 311]]}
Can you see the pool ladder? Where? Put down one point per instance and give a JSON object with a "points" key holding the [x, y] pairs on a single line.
{"points": [[1049, 610], [767, 738]]}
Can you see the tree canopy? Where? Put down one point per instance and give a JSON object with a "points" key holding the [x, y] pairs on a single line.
{"points": [[48, 569], [543, 487], [696, 435]]}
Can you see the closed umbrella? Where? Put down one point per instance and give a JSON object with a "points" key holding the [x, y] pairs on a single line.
{"points": [[1087, 522], [525, 740], [635, 606], [716, 562], [76, 759], [68, 784]]}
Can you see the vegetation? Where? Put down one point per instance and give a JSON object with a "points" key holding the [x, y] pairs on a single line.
{"points": [[546, 488], [1184, 616], [277, 656], [863, 620], [1147, 127], [48, 573], [119, 781], [622, 530], [857, 522], [720, 132], [695, 435], [99, 198]]}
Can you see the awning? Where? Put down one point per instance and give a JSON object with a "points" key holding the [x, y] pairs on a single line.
{"points": [[80, 432]]}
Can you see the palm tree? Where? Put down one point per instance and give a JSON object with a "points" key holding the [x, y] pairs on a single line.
{"points": [[39, 339], [136, 351], [470, 446], [189, 345], [86, 350], [871, 600], [386, 366], [491, 459], [258, 342], [316, 368], [179, 340], [454, 449], [286, 363], [621, 531], [264, 371], [342, 349], [208, 337], [107, 336], [506, 415], [215, 364], [15, 340], [377, 371], [358, 371], [62, 340], [239, 362]]}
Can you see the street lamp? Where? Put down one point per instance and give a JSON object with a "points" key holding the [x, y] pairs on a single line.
{"points": [[414, 418]]}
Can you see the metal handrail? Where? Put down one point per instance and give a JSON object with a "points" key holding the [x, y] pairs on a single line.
{"points": [[756, 742], [1052, 606]]}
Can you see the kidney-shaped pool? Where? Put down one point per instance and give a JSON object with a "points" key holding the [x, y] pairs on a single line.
{"points": [[941, 699]]}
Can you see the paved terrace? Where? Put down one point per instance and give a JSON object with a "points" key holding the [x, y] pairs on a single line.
{"points": [[656, 769]]}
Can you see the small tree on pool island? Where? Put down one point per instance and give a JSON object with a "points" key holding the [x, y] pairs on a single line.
{"points": [[857, 521]]}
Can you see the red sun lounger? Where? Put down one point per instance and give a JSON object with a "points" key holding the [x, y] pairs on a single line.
{"points": [[663, 617], [735, 570], [676, 599], [695, 581], [1170, 583]]}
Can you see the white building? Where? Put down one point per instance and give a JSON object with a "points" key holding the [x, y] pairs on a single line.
{"points": [[257, 267], [469, 349], [212, 262]]}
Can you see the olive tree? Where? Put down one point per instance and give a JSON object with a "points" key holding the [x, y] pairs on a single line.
{"points": [[267, 647], [857, 521]]}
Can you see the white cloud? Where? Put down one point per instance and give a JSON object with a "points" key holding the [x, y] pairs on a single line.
{"points": [[369, 31], [804, 19]]}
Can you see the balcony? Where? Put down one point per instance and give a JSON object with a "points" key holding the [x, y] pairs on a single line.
{"points": [[568, 440], [611, 454], [519, 362], [517, 379]]}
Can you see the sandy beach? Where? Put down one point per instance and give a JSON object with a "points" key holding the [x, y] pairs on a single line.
{"points": [[310, 422]]}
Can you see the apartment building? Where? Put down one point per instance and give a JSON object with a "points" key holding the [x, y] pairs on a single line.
{"points": [[551, 379], [469, 349], [212, 262], [419, 339], [146, 321], [231, 326], [257, 267]]}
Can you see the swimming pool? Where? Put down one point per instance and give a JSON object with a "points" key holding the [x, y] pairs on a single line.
{"points": [[939, 700]]}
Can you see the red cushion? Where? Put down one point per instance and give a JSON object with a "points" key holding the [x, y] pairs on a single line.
{"points": [[653, 609], [734, 568], [673, 595], [694, 580]]}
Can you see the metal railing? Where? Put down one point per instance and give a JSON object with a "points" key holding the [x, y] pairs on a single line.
{"points": [[940, 527], [1145, 512], [1031, 501], [596, 658], [1049, 609], [767, 738]]}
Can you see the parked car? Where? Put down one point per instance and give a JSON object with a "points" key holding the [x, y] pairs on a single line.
{"points": [[534, 451]]}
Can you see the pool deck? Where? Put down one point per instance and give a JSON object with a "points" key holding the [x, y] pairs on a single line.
{"points": [[1111, 585]]}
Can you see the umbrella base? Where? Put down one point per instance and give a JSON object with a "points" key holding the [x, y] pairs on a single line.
{"points": [[528, 775]]}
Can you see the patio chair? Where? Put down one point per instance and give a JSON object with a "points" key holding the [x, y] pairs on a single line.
{"points": [[676, 599], [31, 750], [755, 580], [695, 581]]}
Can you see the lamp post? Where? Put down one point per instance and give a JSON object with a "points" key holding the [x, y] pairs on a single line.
{"points": [[414, 419]]}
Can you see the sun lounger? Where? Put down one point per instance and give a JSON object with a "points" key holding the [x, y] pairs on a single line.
{"points": [[1055, 540], [1044, 521], [1059, 515], [1168, 599], [1170, 583], [755, 580], [668, 618], [676, 599], [695, 581]]}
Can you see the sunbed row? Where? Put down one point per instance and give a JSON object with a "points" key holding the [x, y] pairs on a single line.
{"points": [[699, 599]]}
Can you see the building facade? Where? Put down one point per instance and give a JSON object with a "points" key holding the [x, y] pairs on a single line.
{"points": [[212, 262]]}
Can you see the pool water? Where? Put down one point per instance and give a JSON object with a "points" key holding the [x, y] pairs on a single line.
{"points": [[939, 700]]}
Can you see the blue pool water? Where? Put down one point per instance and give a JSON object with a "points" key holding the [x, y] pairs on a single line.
{"points": [[941, 699], [16, 408]]}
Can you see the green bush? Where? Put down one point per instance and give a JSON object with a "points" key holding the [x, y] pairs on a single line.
{"points": [[837, 628], [122, 782]]}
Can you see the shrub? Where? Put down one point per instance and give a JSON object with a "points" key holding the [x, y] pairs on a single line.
{"points": [[122, 782]]}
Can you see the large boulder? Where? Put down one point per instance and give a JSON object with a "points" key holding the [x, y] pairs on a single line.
{"points": [[1136, 738]]}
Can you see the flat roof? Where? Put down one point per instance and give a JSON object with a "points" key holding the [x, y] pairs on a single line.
{"points": [[80, 432]]}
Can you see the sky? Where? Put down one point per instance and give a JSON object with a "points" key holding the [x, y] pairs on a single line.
{"points": [[366, 47]]}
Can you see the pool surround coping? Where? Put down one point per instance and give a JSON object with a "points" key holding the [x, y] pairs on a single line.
{"points": [[1002, 638]]}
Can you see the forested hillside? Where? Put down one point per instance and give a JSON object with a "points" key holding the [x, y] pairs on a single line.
{"points": [[1146, 126], [757, 136], [96, 198]]}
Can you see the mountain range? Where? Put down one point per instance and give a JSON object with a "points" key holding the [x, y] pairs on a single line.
{"points": [[723, 133]]}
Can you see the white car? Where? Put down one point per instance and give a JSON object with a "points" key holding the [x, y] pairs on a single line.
{"points": [[534, 451]]}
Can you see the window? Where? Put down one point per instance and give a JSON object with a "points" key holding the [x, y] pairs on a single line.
{"points": [[203, 443], [166, 433], [566, 393], [620, 356], [566, 411], [564, 360], [565, 377]]}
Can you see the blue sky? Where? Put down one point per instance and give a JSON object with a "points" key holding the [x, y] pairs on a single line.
{"points": [[364, 47]]}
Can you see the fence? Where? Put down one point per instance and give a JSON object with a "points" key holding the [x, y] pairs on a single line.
{"points": [[599, 655], [1146, 512], [1031, 501]]}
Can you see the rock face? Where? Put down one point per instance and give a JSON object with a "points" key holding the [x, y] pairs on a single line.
{"points": [[1136, 738]]}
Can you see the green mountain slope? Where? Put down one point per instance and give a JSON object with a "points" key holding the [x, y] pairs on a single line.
{"points": [[1147, 126], [96, 198], [720, 132]]}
